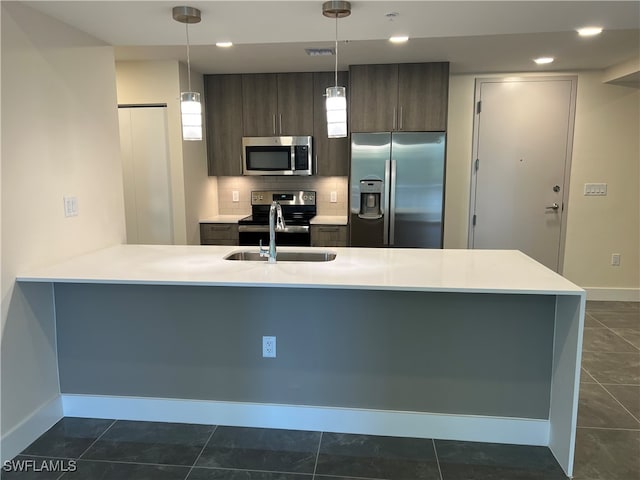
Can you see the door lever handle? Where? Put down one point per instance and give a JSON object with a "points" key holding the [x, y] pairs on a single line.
{"points": [[554, 206]]}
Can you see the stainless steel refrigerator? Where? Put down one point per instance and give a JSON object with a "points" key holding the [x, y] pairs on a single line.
{"points": [[397, 189]]}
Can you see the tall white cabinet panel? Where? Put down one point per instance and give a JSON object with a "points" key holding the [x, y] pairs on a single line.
{"points": [[145, 165]]}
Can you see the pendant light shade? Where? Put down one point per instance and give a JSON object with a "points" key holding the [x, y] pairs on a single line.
{"points": [[190, 105], [336, 96], [191, 109]]}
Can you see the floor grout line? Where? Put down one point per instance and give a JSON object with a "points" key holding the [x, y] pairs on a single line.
{"points": [[98, 438], [611, 353], [620, 403], [353, 478], [235, 469], [435, 450], [595, 320], [611, 428], [315, 466], [127, 462], [195, 462], [53, 457], [614, 332], [617, 384], [605, 388]]}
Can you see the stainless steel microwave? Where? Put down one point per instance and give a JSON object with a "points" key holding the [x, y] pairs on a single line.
{"points": [[277, 156]]}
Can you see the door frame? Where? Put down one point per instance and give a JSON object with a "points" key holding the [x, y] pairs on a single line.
{"points": [[479, 81]]}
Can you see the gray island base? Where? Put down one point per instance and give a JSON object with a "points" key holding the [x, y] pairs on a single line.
{"points": [[480, 364]]}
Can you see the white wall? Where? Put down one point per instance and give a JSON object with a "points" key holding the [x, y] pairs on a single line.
{"points": [[59, 137], [194, 194], [606, 148]]}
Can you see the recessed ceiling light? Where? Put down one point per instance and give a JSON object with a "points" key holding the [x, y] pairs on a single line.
{"points": [[224, 44], [399, 39], [589, 31], [543, 60]]}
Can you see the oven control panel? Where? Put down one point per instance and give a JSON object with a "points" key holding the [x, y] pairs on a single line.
{"points": [[300, 197]]}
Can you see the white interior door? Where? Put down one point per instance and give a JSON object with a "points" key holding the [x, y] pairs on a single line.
{"points": [[522, 142], [145, 163]]}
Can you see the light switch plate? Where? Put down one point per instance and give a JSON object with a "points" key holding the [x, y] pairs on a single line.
{"points": [[70, 206], [235, 195], [334, 197], [595, 189]]}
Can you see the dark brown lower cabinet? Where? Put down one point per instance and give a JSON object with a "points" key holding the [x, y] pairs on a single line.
{"points": [[218, 234], [329, 235]]}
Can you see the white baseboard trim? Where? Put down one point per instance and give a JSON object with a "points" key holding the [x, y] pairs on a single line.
{"points": [[600, 294], [23, 434], [326, 419]]}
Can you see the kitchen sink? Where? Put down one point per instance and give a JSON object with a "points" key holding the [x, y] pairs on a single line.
{"points": [[253, 256]]}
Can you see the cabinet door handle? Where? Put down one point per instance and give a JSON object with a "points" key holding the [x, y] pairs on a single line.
{"points": [[280, 124], [401, 119], [273, 123], [395, 118]]}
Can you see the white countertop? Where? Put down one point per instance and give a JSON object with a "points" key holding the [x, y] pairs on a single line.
{"points": [[471, 271], [223, 218], [329, 220], [317, 220]]}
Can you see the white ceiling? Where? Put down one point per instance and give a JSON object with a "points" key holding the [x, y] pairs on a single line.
{"points": [[475, 36]]}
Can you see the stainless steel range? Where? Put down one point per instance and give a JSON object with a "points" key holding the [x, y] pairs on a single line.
{"points": [[298, 208]]}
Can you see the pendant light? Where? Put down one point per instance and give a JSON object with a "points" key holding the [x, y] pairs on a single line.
{"points": [[190, 105], [336, 96]]}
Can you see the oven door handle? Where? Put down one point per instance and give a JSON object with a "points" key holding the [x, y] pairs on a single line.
{"points": [[265, 228]]}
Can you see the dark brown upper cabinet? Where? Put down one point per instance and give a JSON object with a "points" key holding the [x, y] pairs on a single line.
{"points": [[277, 104], [223, 110], [423, 96], [373, 97], [295, 103], [332, 154], [410, 97]]}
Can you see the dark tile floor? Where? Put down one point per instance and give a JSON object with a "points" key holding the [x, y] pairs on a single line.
{"points": [[608, 437]]}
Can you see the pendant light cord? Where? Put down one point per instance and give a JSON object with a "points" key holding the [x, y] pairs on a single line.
{"points": [[336, 74], [186, 26]]}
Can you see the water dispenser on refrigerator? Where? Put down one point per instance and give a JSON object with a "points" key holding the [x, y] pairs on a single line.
{"points": [[371, 198]]}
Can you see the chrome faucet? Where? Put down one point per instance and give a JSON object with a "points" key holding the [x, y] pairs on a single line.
{"points": [[276, 223]]}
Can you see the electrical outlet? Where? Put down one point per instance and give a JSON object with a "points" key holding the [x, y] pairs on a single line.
{"points": [[334, 197], [235, 195], [615, 259], [269, 347]]}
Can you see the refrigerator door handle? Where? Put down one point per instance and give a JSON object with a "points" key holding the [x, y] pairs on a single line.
{"points": [[392, 203], [385, 212]]}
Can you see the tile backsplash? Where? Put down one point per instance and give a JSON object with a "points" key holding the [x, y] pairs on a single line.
{"points": [[323, 186]]}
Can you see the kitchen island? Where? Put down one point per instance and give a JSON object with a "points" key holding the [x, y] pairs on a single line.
{"points": [[451, 344]]}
